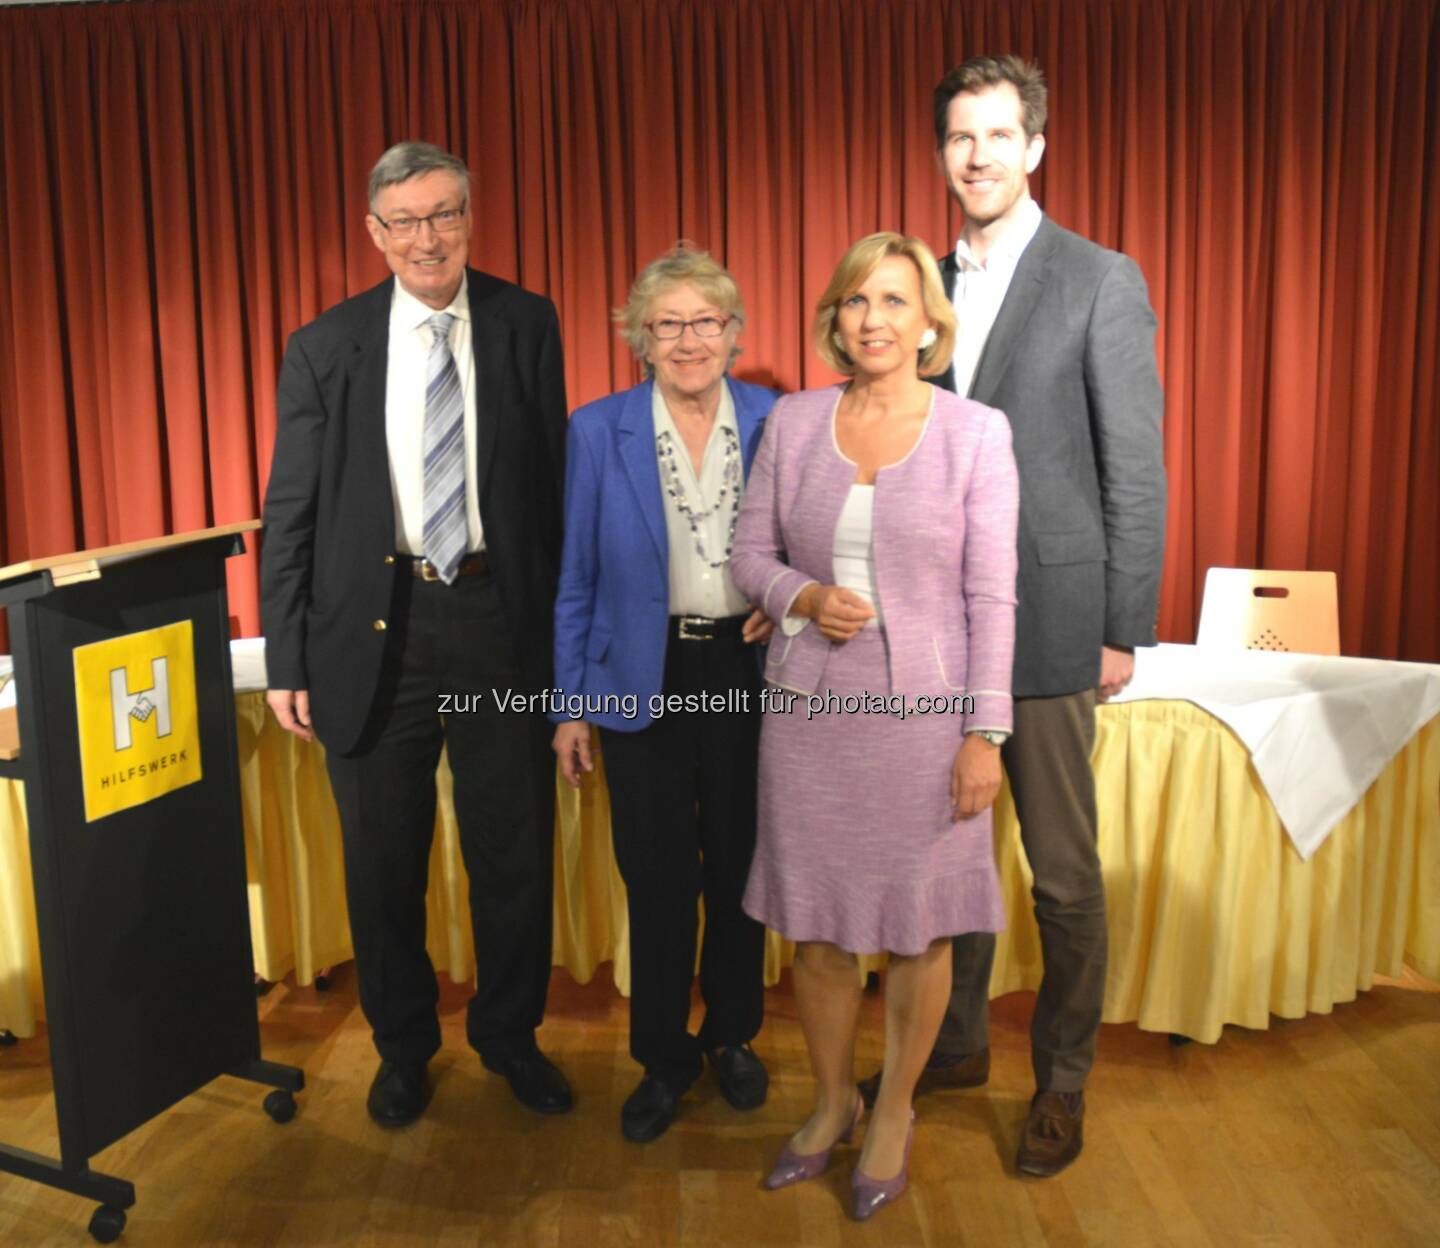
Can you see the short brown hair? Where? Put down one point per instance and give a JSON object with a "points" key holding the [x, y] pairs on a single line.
{"points": [[684, 264], [980, 73], [855, 266]]}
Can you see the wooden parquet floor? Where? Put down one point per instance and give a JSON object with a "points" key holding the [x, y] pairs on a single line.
{"points": [[1324, 1131]]}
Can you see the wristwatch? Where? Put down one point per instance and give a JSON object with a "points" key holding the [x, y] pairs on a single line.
{"points": [[992, 735]]}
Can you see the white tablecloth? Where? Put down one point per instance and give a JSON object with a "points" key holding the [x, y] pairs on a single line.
{"points": [[1319, 730]]}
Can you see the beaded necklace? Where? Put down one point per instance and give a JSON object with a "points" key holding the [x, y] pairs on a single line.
{"points": [[729, 488]]}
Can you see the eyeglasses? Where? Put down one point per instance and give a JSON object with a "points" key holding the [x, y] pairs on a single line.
{"points": [[446, 221], [704, 327]]}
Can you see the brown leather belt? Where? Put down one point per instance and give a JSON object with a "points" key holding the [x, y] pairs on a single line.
{"points": [[474, 564]]}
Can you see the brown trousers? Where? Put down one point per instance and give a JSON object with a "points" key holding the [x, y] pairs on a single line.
{"points": [[1048, 763]]}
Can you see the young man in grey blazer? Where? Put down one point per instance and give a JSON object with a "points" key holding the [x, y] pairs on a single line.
{"points": [[1058, 334]]}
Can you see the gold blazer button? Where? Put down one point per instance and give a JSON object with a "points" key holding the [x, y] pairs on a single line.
{"points": [[378, 626]]}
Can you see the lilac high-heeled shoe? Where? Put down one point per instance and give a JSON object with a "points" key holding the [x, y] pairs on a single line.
{"points": [[793, 1167], [868, 1195]]}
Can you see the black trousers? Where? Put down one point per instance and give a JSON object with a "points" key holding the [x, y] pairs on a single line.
{"points": [[682, 801], [449, 639], [1048, 763]]}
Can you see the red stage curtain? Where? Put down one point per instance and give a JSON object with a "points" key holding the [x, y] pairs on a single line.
{"points": [[183, 184]]}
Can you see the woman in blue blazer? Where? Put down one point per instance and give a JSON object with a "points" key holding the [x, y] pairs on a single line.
{"points": [[655, 646]]}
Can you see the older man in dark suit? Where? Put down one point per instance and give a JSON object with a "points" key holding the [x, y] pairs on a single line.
{"points": [[1058, 334], [412, 548]]}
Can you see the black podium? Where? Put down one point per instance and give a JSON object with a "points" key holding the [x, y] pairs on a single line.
{"points": [[126, 736]]}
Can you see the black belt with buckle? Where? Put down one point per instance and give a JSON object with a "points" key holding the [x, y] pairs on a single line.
{"points": [[702, 628], [474, 564]]}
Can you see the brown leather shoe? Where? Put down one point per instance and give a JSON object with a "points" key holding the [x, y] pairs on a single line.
{"points": [[941, 1074], [1053, 1135]]}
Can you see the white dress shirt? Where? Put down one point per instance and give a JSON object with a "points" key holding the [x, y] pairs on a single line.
{"points": [[410, 341], [696, 588], [980, 290]]}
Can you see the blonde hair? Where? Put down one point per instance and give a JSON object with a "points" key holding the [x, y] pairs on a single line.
{"points": [[855, 266], [684, 264]]}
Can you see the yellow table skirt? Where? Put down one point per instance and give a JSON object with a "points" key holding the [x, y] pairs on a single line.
{"points": [[1213, 917]]}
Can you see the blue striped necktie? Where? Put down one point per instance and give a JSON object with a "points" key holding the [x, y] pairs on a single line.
{"points": [[447, 533]]}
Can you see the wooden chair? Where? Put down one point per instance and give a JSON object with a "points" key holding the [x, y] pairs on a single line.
{"points": [[1259, 609]]}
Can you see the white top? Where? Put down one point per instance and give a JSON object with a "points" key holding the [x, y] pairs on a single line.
{"points": [[697, 585], [980, 290], [410, 340], [855, 549]]}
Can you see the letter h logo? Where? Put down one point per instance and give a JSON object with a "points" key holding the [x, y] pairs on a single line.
{"points": [[141, 704]]}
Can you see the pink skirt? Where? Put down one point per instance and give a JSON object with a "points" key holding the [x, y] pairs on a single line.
{"points": [[855, 844]]}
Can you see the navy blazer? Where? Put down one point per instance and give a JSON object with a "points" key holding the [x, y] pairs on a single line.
{"points": [[612, 612], [327, 567]]}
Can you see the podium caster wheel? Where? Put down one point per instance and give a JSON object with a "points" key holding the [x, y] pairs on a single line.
{"points": [[280, 1105], [1177, 1040], [107, 1224], [7, 1038], [322, 981]]}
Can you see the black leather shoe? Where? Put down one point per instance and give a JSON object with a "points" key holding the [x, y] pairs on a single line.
{"points": [[742, 1077], [399, 1093], [648, 1111], [535, 1080]]}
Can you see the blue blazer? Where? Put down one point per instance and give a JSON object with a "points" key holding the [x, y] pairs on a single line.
{"points": [[612, 612]]}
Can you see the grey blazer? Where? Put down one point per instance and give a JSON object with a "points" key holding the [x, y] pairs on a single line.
{"points": [[1071, 362]]}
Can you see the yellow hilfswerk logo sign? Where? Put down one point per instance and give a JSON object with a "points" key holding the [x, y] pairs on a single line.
{"points": [[138, 715]]}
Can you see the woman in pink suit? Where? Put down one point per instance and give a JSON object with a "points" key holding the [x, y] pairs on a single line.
{"points": [[878, 529]]}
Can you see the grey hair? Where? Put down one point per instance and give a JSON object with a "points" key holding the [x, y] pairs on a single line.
{"points": [[683, 264], [414, 159]]}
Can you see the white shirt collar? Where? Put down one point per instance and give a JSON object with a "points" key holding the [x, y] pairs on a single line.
{"points": [[407, 312], [1008, 247]]}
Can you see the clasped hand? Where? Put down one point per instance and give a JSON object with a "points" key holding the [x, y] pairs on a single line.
{"points": [[839, 613]]}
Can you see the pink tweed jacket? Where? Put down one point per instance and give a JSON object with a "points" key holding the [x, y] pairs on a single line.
{"points": [[944, 547]]}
